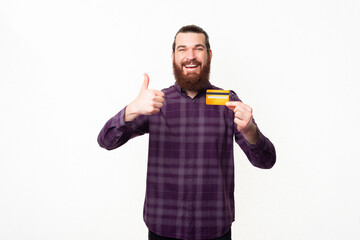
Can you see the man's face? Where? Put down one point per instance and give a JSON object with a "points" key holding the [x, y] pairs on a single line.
{"points": [[191, 62]]}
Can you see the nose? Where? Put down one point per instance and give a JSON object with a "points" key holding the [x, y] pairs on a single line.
{"points": [[190, 55]]}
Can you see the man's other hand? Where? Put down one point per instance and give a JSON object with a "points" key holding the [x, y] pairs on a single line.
{"points": [[243, 120]]}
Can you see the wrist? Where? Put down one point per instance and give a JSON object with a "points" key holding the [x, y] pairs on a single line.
{"points": [[250, 133], [130, 114]]}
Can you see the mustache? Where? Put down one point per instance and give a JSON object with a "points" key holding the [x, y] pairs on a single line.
{"points": [[191, 62], [192, 82]]}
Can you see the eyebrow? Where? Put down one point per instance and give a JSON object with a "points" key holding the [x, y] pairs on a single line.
{"points": [[184, 46]]}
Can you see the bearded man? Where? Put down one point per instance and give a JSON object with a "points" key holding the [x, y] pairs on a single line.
{"points": [[190, 174]]}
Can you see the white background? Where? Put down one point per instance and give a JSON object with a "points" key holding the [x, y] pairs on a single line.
{"points": [[67, 66]]}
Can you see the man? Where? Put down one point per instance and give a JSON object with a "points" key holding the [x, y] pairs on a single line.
{"points": [[190, 176]]}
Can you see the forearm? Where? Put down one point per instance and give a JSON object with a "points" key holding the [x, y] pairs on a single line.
{"points": [[261, 154], [130, 113], [117, 131], [112, 134], [251, 134]]}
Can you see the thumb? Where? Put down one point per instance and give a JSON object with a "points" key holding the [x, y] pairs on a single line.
{"points": [[230, 105], [146, 82]]}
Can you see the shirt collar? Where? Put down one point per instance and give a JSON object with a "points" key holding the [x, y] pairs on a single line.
{"points": [[200, 93]]}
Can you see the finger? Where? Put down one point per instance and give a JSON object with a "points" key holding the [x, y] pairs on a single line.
{"points": [[159, 93], [240, 124], [153, 110], [159, 99], [240, 108], [244, 119], [239, 115], [157, 105], [146, 82], [243, 108], [243, 115], [231, 105], [247, 107]]}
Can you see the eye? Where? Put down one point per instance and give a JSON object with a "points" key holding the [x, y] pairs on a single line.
{"points": [[199, 49]]}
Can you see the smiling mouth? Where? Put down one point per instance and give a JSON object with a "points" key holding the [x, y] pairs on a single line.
{"points": [[191, 66]]}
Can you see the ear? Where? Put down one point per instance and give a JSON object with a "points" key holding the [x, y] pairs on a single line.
{"points": [[210, 54], [173, 56]]}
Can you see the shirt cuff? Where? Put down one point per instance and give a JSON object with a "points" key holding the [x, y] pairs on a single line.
{"points": [[121, 117]]}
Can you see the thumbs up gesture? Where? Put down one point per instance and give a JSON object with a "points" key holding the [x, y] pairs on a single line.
{"points": [[148, 102]]}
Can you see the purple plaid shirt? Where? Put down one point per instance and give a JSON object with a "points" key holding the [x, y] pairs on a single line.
{"points": [[190, 175]]}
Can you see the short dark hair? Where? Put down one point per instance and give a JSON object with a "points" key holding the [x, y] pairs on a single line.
{"points": [[193, 29]]}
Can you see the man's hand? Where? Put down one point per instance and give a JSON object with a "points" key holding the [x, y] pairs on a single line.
{"points": [[148, 102], [243, 120]]}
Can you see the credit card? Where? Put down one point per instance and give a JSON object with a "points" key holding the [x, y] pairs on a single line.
{"points": [[217, 97]]}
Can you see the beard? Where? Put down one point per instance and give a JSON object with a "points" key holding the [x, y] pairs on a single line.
{"points": [[192, 81]]}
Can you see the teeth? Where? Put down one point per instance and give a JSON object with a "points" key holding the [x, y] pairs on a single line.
{"points": [[191, 66]]}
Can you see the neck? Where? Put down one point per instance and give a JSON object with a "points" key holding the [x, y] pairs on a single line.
{"points": [[191, 94]]}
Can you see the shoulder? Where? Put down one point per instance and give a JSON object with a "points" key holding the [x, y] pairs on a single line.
{"points": [[169, 90], [233, 96]]}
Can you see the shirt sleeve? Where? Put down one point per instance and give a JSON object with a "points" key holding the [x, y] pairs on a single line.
{"points": [[261, 154], [117, 132]]}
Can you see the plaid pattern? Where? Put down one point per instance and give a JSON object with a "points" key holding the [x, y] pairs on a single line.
{"points": [[190, 177]]}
